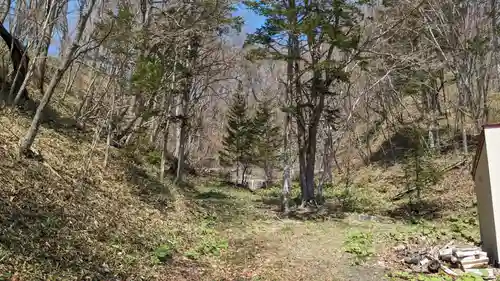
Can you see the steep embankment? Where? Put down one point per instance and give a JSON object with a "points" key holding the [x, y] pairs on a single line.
{"points": [[67, 217]]}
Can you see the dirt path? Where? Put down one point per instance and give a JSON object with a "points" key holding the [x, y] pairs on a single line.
{"points": [[297, 250], [265, 247]]}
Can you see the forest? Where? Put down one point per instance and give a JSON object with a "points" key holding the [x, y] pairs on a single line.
{"points": [[167, 140]]}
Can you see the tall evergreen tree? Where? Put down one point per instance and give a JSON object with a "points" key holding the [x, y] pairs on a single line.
{"points": [[268, 141], [239, 139], [323, 38]]}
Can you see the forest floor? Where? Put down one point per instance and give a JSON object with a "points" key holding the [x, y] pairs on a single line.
{"points": [[65, 216]]}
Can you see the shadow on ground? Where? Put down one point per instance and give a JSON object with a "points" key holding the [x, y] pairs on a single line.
{"points": [[80, 231], [40, 227], [325, 211], [395, 149], [212, 195], [51, 118], [55, 120], [225, 208], [455, 144], [149, 189], [425, 209], [335, 207]]}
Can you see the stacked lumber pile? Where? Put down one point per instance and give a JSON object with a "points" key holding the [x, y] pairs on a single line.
{"points": [[465, 257], [454, 260]]}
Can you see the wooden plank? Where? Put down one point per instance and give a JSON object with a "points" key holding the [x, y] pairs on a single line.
{"points": [[465, 249], [445, 252], [469, 260], [479, 264], [448, 271], [463, 254]]}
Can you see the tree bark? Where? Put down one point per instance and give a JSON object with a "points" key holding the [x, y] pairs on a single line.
{"points": [[182, 109], [70, 82], [167, 103], [327, 175], [164, 151], [310, 159], [110, 125], [46, 32], [20, 61], [52, 14], [181, 143]]}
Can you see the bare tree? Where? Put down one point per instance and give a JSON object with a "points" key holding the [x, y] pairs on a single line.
{"points": [[78, 48]]}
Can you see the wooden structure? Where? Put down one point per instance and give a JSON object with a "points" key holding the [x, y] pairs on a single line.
{"points": [[486, 174]]}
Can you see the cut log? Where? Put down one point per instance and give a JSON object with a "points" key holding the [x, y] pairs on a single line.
{"points": [[445, 252], [449, 258], [475, 265]]}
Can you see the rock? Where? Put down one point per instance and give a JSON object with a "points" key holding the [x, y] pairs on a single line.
{"points": [[412, 260]]}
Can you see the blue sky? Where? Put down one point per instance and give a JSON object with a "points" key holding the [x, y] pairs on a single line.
{"points": [[252, 21]]}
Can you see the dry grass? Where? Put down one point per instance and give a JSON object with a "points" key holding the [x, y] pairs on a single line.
{"points": [[68, 218]]}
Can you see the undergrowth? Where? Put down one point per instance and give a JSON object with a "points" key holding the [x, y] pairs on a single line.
{"points": [[360, 245]]}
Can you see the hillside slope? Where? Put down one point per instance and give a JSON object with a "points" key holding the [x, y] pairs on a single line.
{"points": [[67, 217]]}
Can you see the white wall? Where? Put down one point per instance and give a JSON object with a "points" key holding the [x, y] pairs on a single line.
{"points": [[485, 205], [488, 177]]}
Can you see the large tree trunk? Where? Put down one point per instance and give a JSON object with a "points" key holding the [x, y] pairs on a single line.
{"points": [[183, 107], [285, 200], [164, 151], [268, 173], [181, 146], [20, 61], [302, 161], [327, 175], [308, 139], [167, 104], [310, 159]]}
